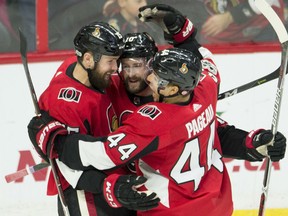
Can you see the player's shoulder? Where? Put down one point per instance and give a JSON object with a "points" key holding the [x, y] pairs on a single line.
{"points": [[115, 79], [61, 71], [151, 111], [68, 61]]}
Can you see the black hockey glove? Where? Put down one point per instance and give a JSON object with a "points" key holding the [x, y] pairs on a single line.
{"points": [[259, 145], [42, 131], [122, 191], [177, 28]]}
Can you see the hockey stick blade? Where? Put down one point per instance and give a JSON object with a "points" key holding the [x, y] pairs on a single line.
{"points": [[24, 172], [282, 34]]}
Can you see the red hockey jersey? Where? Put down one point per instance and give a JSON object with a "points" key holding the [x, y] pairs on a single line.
{"points": [[123, 102], [177, 148], [84, 110]]}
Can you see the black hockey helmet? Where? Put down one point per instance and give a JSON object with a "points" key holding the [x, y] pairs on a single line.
{"points": [[139, 45], [179, 67], [100, 38]]}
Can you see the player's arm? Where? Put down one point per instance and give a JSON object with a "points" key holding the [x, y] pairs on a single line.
{"points": [[178, 30], [82, 151], [118, 190], [79, 151], [251, 146]]}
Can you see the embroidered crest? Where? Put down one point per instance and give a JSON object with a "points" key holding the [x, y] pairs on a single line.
{"points": [[96, 33], [70, 94], [183, 68], [150, 111]]}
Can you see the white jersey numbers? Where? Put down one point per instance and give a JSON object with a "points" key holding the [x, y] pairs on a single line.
{"points": [[191, 154], [125, 149], [114, 139]]}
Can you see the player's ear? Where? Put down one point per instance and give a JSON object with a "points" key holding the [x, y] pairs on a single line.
{"points": [[173, 90], [88, 60]]}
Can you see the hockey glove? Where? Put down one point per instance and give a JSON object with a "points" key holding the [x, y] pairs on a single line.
{"points": [[177, 28], [259, 145], [42, 131], [122, 191]]}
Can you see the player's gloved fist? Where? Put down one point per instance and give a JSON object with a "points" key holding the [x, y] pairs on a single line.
{"points": [[122, 191], [260, 144], [42, 131], [277, 151], [177, 28]]}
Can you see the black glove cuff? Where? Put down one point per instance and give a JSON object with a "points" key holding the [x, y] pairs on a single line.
{"points": [[242, 13]]}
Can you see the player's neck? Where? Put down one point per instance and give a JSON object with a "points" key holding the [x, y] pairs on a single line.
{"points": [[178, 99], [81, 75], [146, 92]]}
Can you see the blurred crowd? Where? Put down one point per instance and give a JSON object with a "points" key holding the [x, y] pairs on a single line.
{"points": [[218, 21]]}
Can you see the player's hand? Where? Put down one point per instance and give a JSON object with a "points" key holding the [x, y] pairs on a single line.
{"points": [[42, 131], [121, 190], [261, 141], [177, 28]]}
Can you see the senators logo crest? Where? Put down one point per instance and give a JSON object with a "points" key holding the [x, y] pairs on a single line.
{"points": [[183, 68], [96, 33], [150, 111], [70, 94]]}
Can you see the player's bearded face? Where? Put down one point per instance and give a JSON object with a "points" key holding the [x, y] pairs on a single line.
{"points": [[134, 72], [101, 75]]}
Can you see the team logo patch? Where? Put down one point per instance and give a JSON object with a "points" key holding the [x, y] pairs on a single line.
{"points": [[150, 111], [183, 68], [70, 94], [96, 33]]}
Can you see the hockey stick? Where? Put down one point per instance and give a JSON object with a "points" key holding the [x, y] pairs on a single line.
{"points": [[24, 172], [282, 34], [23, 52], [252, 84]]}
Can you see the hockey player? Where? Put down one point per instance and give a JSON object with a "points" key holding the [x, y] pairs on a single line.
{"points": [[128, 89], [175, 142], [75, 96]]}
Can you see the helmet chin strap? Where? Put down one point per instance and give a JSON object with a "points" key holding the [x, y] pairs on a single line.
{"points": [[162, 97]]}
